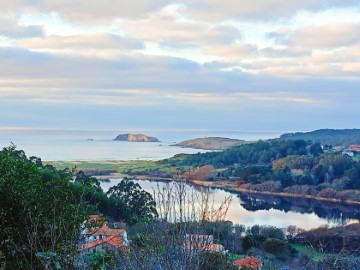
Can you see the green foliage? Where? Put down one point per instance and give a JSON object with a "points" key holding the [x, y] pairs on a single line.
{"points": [[333, 240], [254, 173], [39, 213], [132, 204], [100, 260], [261, 152], [353, 177], [252, 241], [327, 136], [281, 249], [215, 261], [272, 232]]}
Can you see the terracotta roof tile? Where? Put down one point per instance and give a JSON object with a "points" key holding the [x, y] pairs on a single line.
{"points": [[249, 262], [106, 231], [113, 241]]}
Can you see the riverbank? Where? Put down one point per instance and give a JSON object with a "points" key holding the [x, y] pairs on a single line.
{"points": [[232, 187], [144, 170]]}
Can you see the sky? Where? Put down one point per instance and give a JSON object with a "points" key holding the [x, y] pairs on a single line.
{"points": [[260, 65]]}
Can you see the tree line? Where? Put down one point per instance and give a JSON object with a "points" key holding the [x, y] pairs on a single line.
{"points": [[293, 166]]}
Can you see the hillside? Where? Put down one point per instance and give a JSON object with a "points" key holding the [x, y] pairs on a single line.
{"points": [[335, 137], [210, 143], [135, 138]]}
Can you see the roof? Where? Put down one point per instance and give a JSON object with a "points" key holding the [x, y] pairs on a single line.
{"points": [[249, 262], [94, 218], [106, 231], [354, 148], [113, 241]]}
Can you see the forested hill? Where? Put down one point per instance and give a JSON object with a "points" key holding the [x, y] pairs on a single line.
{"points": [[261, 152], [291, 166], [335, 137]]}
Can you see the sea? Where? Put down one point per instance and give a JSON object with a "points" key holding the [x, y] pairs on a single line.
{"points": [[91, 145]]}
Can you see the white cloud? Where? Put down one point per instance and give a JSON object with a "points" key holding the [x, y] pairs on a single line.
{"points": [[258, 10], [169, 27], [327, 36], [97, 44]]}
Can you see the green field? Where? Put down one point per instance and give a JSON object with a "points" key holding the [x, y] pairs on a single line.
{"points": [[117, 165], [314, 255]]}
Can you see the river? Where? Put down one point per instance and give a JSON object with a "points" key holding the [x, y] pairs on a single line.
{"points": [[281, 212]]}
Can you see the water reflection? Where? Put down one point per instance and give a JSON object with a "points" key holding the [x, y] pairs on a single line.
{"points": [[332, 212], [250, 209]]}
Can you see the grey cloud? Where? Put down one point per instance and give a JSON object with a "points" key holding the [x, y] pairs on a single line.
{"points": [[10, 28], [165, 74], [164, 92]]}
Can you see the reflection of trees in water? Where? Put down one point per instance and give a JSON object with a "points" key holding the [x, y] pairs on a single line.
{"points": [[332, 212]]}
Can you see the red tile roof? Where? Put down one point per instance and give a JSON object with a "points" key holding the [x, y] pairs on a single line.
{"points": [[94, 218], [249, 262], [113, 241], [105, 231], [354, 148]]}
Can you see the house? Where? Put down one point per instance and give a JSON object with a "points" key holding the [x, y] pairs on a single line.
{"points": [[108, 243], [202, 242], [348, 153], [97, 234], [355, 148], [249, 263]]}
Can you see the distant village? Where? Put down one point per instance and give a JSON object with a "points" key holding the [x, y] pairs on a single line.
{"points": [[99, 235], [352, 150]]}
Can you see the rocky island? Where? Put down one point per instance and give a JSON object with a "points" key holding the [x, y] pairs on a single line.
{"points": [[135, 138], [210, 143]]}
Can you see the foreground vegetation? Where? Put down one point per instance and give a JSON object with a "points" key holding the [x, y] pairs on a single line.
{"points": [[42, 208]]}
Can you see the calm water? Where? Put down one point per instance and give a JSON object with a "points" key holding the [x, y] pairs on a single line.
{"points": [[270, 210], [99, 145]]}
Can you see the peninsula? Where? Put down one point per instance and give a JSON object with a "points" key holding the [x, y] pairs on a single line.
{"points": [[210, 143], [135, 138]]}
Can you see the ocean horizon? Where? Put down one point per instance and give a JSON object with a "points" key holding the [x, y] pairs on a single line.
{"points": [[81, 144]]}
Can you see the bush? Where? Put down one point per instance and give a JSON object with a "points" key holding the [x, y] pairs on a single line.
{"points": [[272, 232], [279, 248]]}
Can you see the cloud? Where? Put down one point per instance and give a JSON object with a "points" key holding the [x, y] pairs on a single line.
{"points": [[10, 28], [257, 10], [234, 52], [89, 11], [246, 64], [95, 44], [327, 36], [167, 26]]}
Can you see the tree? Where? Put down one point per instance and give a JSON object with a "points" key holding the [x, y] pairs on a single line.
{"points": [[39, 215], [132, 204], [203, 172]]}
